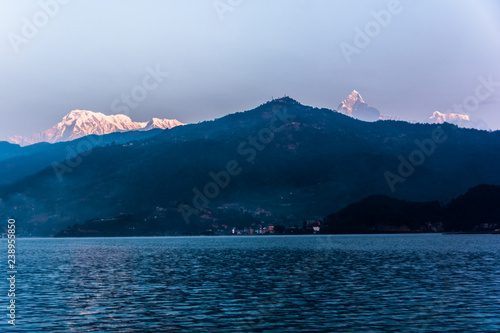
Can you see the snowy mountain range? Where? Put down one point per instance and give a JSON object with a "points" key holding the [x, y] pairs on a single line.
{"points": [[80, 123], [354, 106], [461, 120]]}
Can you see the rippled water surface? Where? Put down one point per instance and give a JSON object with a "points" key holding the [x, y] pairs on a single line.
{"points": [[374, 283]]}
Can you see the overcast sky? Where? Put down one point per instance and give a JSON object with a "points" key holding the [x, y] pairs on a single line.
{"points": [[227, 56]]}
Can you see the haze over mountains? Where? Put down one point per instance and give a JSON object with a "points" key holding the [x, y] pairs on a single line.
{"points": [[289, 162], [80, 123]]}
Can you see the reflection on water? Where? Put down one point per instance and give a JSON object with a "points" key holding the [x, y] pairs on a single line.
{"points": [[257, 284]]}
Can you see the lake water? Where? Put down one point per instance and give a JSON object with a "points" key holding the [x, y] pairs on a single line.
{"points": [[409, 283]]}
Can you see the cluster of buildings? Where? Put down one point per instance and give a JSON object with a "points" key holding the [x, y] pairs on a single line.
{"points": [[269, 230], [308, 227]]}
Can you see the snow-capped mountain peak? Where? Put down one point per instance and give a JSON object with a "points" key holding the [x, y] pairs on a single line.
{"points": [[161, 123], [354, 106], [461, 120], [439, 118], [348, 105], [80, 123]]}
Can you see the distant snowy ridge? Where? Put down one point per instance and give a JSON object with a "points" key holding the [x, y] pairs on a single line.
{"points": [[461, 120], [80, 123], [161, 123]]}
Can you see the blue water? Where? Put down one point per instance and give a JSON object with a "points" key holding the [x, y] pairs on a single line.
{"points": [[409, 283]]}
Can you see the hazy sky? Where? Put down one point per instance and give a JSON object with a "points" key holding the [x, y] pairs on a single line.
{"points": [[230, 55]]}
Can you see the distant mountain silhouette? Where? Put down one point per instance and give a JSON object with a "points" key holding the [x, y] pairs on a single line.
{"points": [[17, 162], [292, 161], [478, 209], [475, 211]]}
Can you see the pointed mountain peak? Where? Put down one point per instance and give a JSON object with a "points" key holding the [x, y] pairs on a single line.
{"points": [[355, 96], [354, 106], [350, 104]]}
